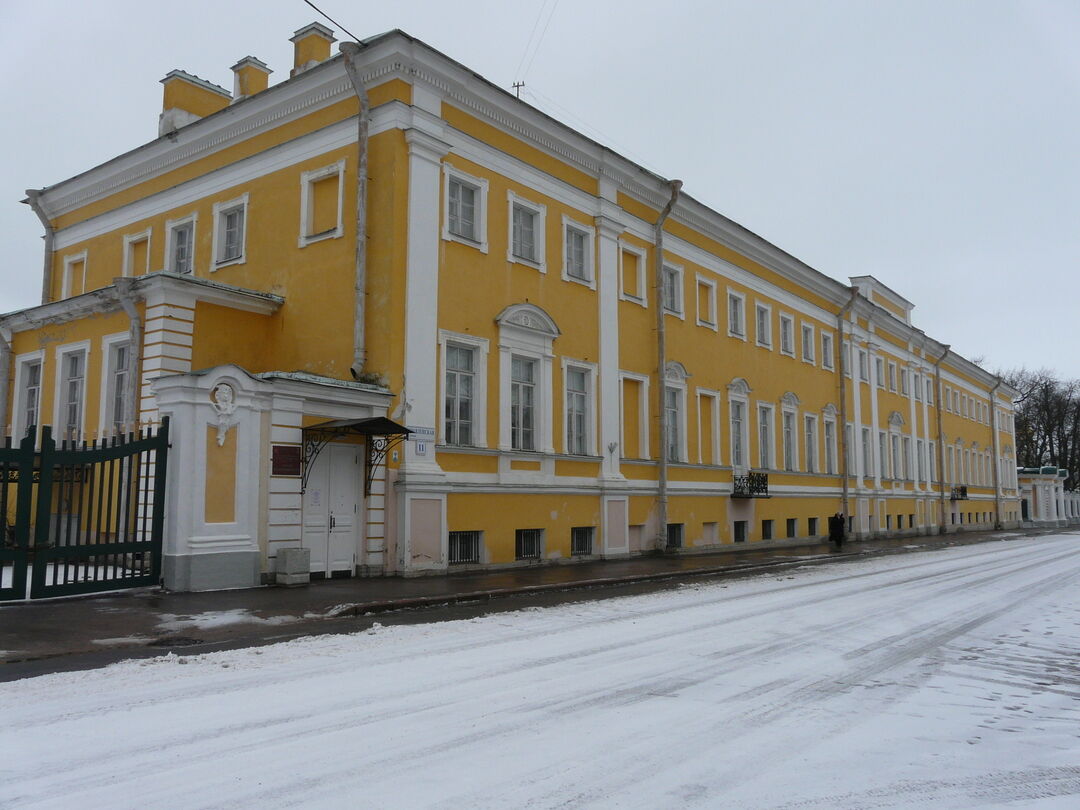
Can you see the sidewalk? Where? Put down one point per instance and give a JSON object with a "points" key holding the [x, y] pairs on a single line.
{"points": [[80, 633]]}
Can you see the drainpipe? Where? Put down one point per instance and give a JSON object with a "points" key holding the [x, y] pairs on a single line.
{"points": [[661, 355], [33, 199], [941, 441], [842, 365], [125, 295], [997, 461], [6, 358], [351, 52]]}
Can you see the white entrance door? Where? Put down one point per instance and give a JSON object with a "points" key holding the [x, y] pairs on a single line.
{"points": [[332, 508]]}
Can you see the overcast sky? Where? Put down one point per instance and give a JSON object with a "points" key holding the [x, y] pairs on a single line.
{"points": [[932, 144]]}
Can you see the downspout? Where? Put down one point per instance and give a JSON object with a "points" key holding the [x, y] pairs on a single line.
{"points": [[351, 52], [661, 355], [997, 460], [941, 441], [6, 358], [33, 199], [126, 297], [842, 365]]}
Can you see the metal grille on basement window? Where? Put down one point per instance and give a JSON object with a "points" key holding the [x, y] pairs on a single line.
{"points": [[581, 541], [464, 547], [528, 543], [674, 535]]}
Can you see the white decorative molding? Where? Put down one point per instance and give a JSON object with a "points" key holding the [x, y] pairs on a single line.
{"points": [[223, 401]]}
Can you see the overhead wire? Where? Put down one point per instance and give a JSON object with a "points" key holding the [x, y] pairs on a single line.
{"points": [[331, 19]]}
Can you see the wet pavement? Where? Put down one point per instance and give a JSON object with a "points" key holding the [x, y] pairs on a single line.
{"points": [[86, 632]]}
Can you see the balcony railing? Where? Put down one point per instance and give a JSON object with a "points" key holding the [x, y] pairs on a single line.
{"points": [[751, 485], [959, 494]]}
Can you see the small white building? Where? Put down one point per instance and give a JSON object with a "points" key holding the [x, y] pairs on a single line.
{"points": [[1044, 501]]}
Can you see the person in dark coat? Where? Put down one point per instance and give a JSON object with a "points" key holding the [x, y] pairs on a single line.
{"points": [[836, 531]]}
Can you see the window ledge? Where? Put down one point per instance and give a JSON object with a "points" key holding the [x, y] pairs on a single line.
{"points": [[513, 258], [448, 236], [336, 233], [228, 262]]}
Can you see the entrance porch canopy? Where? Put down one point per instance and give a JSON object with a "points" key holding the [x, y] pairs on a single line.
{"points": [[381, 435]]}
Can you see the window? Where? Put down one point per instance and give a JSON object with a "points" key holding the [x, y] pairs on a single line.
{"points": [[72, 378], [528, 544], [180, 245], [826, 351], [787, 335], [459, 395], [929, 391], [905, 385], [672, 289], [115, 414], [738, 428], [739, 533], [792, 527], [581, 541], [523, 404], [230, 227], [920, 462], [864, 367], [28, 384], [906, 446], [810, 434], [765, 415], [867, 464], [766, 530], [788, 424], [321, 203], [883, 455], [580, 413], [892, 376], [811, 527], [706, 303], [830, 447], [73, 282], [763, 318], [675, 535], [673, 421], [632, 272], [897, 460], [917, 388], [526, 231], [463, 547], [578, 252], [879, 372], [137, 254], [807, 343], [736, 319]]}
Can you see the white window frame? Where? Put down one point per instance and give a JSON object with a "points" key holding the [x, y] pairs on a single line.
{"points": [[866, 454], [789, 464], [18, 429], [812, 442], [479, 346], [308, 180], [589, 232], [740, 299], [807, 348], [642, 275], [827, 350], [130, 239], [758, 309], [679, 389], [905, 381], [478, 184], [680, 293], [831, 451], [59, 392], [539, 214], [864, 366], [712, 413], [643, 412], [589, 370], [766, 418], [892, 376], [787, 324], [529, 343], [221, 210], [65, 280], [107, 389], [879, 372], [710, 301], [741, 441], [171, 226]]}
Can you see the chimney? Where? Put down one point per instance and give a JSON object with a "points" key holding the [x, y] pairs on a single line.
{"points": [[311, 45], [188, 98], [250, 76]]}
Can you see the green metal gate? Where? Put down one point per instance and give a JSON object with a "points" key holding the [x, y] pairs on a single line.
{"points": [[82, 517]]}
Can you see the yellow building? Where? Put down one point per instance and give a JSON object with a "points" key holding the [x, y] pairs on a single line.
{"points": [[503, 306]]}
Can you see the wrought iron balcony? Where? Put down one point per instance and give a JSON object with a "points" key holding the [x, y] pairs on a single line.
{"points": [[959, 494], [751, 485]]}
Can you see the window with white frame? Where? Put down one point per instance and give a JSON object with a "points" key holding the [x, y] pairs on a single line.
{"points": [[867, 454], [827, 351], [464, 393], [118, 370], [579, 414], [136, 254], [879, 372], [71, 368], [180, 245], [929, 391], [905, 454], [672, 289], [578, 252], [673, 420], [230, 229], [920, 460], [28, 376], [706, 302], [738, 433], [765, 434], [526, 334], [789, 439], [763, 321], [321, 203], [787, 335], [830, 446], [464, 208], [864, 366], [917, 385], [810, 443], [736, 315], [73, 281], [883, 455], [905, 381], [632, 267], [807, 343], [892, 376], [526, 231]]}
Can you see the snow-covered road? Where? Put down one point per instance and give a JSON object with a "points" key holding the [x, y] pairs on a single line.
{"points": [[938, 679]]}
